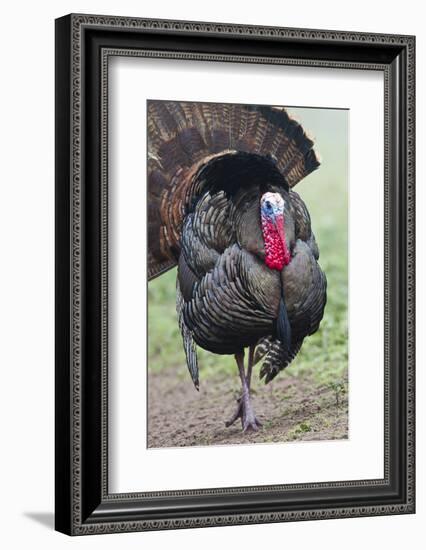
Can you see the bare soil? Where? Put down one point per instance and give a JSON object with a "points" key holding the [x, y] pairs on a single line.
{"points": [[290, 408]]}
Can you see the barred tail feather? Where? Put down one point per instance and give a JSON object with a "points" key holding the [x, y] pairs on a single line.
{"points": [[277, 359], [188, 342]]}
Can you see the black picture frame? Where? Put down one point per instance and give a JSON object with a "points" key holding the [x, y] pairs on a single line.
{"points": [[83, 45]]}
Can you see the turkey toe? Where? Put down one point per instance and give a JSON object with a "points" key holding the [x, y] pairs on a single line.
{"points": [[238, 413], [251, 424], [244, 411]]}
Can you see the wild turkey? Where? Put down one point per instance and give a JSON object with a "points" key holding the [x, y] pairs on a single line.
{"points": [[222, 208]]}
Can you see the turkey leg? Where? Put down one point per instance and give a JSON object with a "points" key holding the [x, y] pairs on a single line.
{"points": [[244, 409]]}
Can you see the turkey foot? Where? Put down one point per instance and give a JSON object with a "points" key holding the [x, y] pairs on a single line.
{"points": [[244, 409], [245, 412]]}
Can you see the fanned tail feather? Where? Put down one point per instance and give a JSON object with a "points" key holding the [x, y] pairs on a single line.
{"points": [[182, 136]]}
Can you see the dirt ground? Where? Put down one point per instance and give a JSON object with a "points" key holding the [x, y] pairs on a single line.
{"points": [[290, 408]]}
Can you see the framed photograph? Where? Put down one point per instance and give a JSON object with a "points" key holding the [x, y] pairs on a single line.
{"points": [[234, 274]]}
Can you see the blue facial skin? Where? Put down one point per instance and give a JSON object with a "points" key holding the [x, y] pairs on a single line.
{"points": [[270, 210]]}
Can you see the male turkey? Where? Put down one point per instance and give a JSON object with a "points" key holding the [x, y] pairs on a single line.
{"points": [[222, 208]]}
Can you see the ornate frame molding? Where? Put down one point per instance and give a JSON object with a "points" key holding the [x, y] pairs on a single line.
{"points": [[76, 510]]}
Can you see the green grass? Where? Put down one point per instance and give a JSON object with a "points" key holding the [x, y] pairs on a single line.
{"points": [[324, 356]]}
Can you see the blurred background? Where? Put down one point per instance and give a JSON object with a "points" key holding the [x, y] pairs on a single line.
{"points": [[307, 401]]}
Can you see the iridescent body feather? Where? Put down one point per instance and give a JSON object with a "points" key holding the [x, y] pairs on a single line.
{"points": [[222, 208]]}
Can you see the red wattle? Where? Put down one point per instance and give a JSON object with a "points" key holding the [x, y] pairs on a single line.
{"points": [[277, 254]]}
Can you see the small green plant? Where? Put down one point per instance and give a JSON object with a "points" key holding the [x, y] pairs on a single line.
{"points": [[303, 427], [339, 389]]}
